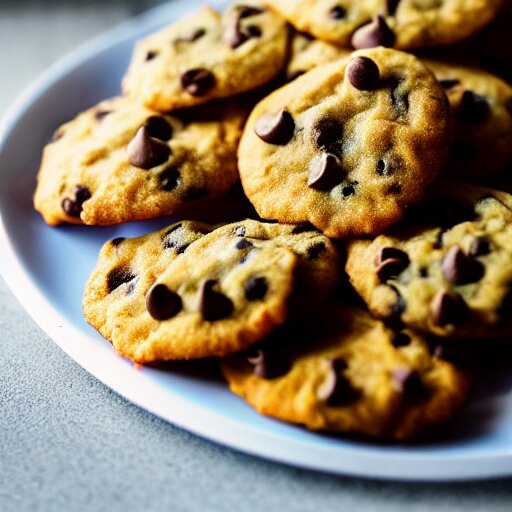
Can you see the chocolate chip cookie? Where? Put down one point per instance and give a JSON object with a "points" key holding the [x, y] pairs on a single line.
{"points": [[161, 297], [344, 371], [119, 162], [447, 269], [401, 24], [208, 55], [481, 105], [348, 145]]}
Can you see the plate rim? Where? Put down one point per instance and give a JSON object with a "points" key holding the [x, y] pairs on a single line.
{"points": [[138, 385]]}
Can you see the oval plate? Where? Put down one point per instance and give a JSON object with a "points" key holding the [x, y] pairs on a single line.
{"points": [[46, 268]]}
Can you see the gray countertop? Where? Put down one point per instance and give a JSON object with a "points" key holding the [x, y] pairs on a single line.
{"points": [[69, 443]]}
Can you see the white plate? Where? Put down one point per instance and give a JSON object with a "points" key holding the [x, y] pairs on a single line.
{"points": [[46, 268]]}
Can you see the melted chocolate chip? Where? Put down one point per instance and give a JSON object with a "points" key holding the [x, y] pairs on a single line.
{"points": [[337, 390], [338, 12], [448, 83], [473, 109], [423, 272], [151, 55], [375, 33], [480, 246], [99, 115], [73, 206], [397, 308], [410, 384], [213, 305], [247, 11], [363, 73], [169, 179], [118, 276], [255, 288], [325, 172], [243, 244], [382, 169], [400, 339], [275, 129], [328, 135], [349, 190], [117, 241], [268, 363], [459, 269], [197, 82], [146, 152], [448, 309], [162, 303], [158, 128], [315, 250]]}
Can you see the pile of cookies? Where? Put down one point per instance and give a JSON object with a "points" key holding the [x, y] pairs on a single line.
{"points": [[367, 230]]}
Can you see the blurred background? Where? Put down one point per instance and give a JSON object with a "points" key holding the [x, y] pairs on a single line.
{"points": [[35, 33]]}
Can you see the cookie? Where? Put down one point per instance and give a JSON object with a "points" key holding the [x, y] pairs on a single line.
{"points": [[307, 53], [348, 145], [223, 292], [481, 105], [119, 162], [208, 55], [402, 24], [126, 268], [344, 371], [447, 269]]}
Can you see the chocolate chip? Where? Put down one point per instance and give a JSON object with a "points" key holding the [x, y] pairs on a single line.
{"points": [[363, 73], [349, 190], [375, 33], [197, 82], [448, 83], [423, 272], [255, 288], [315, 250], [158, 128], [400, 339], [391, 262], [448, 309], [480, 246], [409, 384], [194, 35], [337, 390], [118, 276], [240, 35], [275, 128], [243, 244], [306, 227], [473, 109], [117, 241], [100, 114], [213, 305], [268, 363], [328, 135], [459, 269], [169, 179], [338, 12], [325, 172], [382, 168], [391, 7], [151, 55], [72, 206], [146, 152], [162, 303]]}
